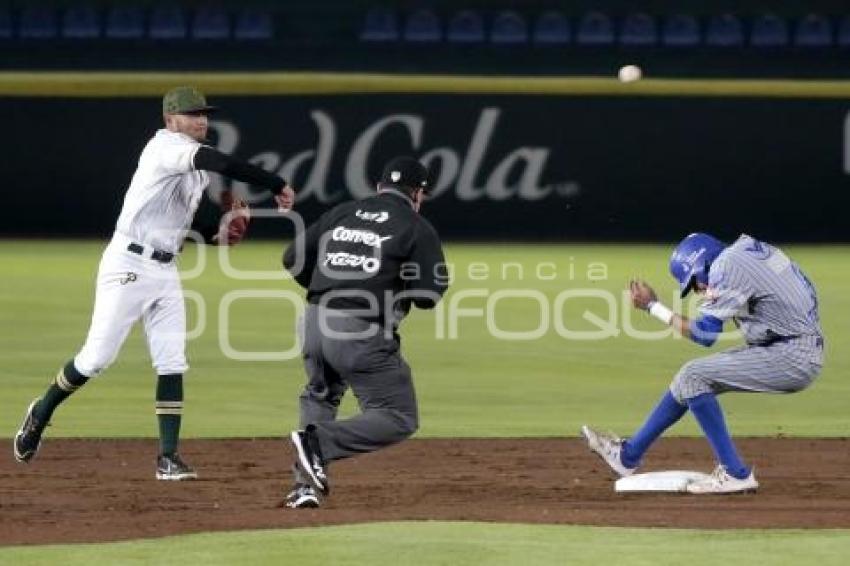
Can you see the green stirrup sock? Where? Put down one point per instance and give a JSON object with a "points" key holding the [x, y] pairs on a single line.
{"points": [[169, 410], [66, 382]]}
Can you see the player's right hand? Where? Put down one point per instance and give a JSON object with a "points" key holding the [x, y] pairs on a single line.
{"points": [[642, 294], [285, 199]]}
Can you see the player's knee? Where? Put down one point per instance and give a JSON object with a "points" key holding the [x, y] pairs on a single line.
{"points": [[93, 364], [692, 371], [170, 360], [319, 392], [689, 382]]}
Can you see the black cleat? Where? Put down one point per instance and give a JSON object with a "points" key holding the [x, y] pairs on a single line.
{"points": [[302, 497], [28, 437], [309, 460], [171, 467]]}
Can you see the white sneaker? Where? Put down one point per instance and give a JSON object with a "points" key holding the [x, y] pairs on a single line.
{"points": [[721, 482], [608, 446]]}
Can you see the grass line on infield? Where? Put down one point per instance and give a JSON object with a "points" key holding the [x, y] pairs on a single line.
{"points": [[459, 544], [153, 84]]}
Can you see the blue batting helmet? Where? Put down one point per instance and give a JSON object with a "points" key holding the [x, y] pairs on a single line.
{"points": [[692, 259]]}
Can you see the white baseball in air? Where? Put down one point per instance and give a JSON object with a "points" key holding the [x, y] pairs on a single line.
{"points": [[629, 73]]}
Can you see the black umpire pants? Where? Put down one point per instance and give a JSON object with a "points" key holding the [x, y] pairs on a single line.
{"points": [[342, 351]]}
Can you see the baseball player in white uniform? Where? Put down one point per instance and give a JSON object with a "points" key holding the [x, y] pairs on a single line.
{"points": [[138, 278], [772, 302]]}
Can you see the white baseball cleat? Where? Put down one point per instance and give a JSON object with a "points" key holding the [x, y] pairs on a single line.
{"points": [[720, 482], [608, 446]]}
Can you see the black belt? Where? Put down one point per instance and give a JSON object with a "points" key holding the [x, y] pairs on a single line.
{"points": [[779, 339], [775, 339], [156, 255]]}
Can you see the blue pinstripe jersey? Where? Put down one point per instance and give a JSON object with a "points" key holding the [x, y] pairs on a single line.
{"points": [[765, 293]]}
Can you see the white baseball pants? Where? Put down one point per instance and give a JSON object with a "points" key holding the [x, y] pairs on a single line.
{"points": [[130, 287]]}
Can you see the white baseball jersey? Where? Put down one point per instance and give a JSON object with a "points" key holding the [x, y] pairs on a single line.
{"points": [[164, 193]]}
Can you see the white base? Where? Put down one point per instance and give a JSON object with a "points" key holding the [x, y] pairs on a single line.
{"points": [[672, 481]]}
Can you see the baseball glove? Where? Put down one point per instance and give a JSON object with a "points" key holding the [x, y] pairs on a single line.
{"points": [[235, 221]]}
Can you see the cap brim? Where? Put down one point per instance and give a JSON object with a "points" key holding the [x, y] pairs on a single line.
{"points": [[205, 109], [200, 109], [400, 186]]}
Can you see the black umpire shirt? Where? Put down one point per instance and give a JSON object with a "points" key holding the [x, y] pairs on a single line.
{"points": [[374, 257]]}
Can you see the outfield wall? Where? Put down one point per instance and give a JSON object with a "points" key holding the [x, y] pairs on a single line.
{"points": [[513, 157]]}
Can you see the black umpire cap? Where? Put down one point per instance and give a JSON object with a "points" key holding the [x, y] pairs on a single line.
{"points": [[406, 172]]}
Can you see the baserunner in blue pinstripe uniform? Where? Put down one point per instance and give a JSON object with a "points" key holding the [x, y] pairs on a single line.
{"points": [[774, 305]]}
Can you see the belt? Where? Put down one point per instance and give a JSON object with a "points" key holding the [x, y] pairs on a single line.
{"points": [[780, 339], [775, 339], [156, 255]]}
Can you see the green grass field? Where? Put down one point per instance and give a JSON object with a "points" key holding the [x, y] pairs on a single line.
{"points": [[451, 543], [473, 385]]}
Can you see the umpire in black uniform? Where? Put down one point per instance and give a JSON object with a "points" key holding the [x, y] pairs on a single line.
{"points": [[363, 263]]}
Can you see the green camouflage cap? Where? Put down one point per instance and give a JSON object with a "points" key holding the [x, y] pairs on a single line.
{"points": [[185, 99]]}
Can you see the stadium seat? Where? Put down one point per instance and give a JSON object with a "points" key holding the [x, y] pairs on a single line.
{"points": [[125, 22], [466, 27], [639, 29], [37, 22], [552, 28], [595, 28], [81, 22], [253, 25], [681, 30], [769, 30], [725, 30], [844, 32], [380, 25], [813, 30], [5, 23], [423, 26], [509, 28], [211, 23], [167, 22]]}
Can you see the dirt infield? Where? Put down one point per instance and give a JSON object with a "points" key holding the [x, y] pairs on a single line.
{"points": [[99, 490]]}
